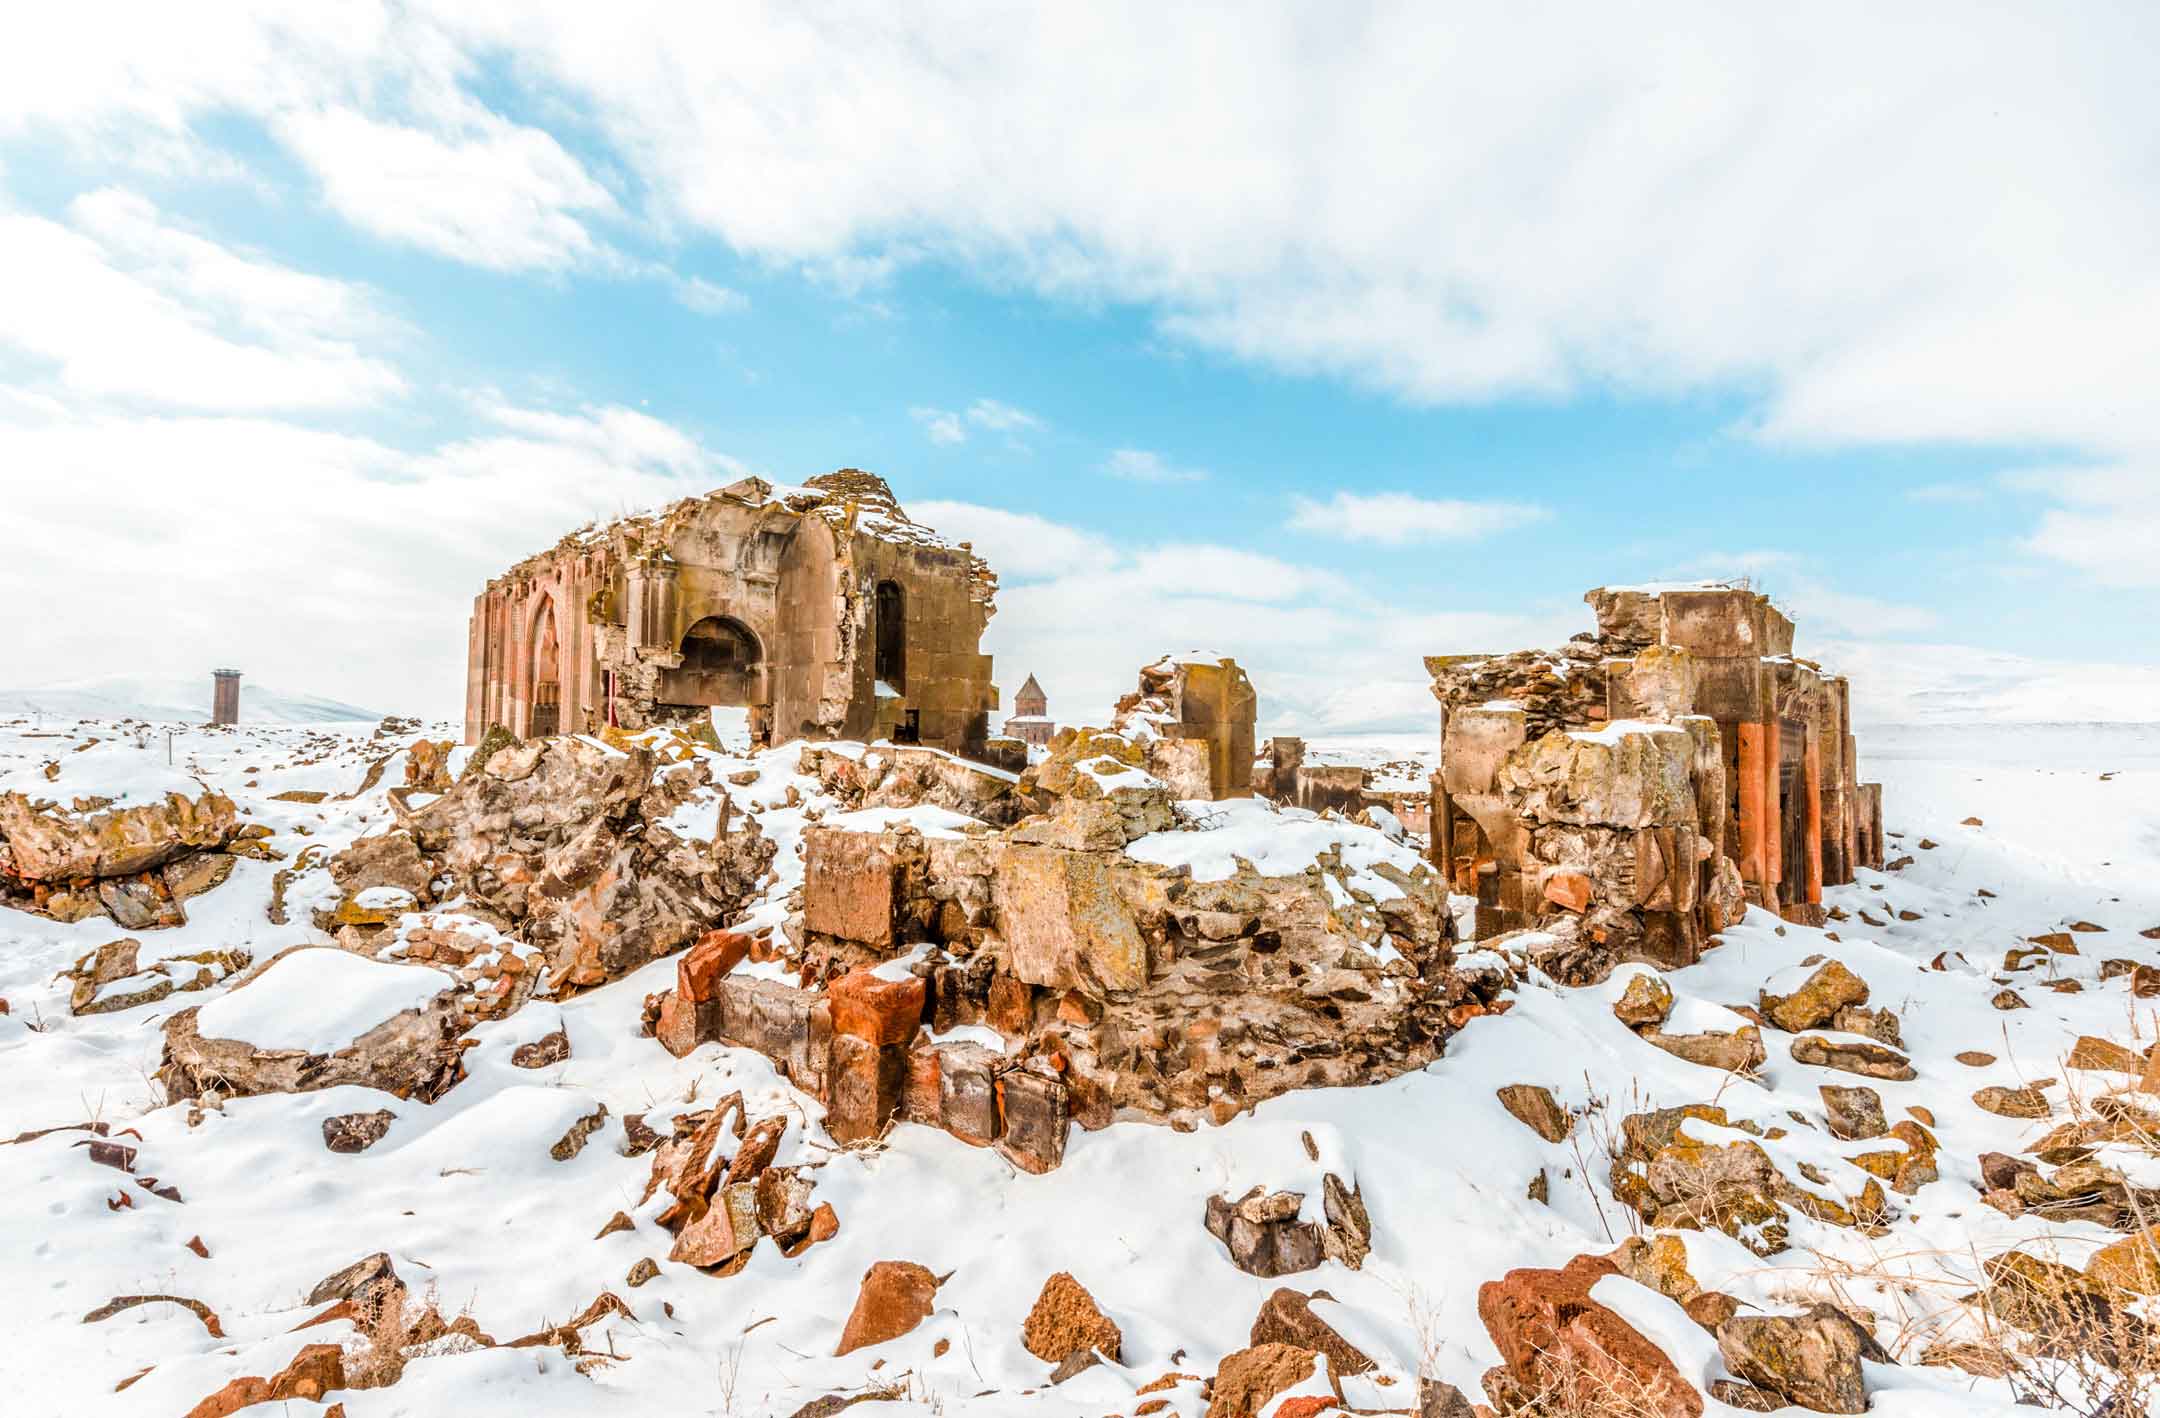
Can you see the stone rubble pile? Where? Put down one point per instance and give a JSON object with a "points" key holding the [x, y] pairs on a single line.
{"points": [[137, 864]]}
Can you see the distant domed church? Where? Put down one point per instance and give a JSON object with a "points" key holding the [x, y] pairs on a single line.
{"points": [[1030, 722]]}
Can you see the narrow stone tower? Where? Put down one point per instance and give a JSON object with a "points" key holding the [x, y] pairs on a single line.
{"points": [[225, 697]]}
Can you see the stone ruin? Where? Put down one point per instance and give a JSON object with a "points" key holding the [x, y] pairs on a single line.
{"points": [[1114, 986], [1640, 785], [823, 611]]}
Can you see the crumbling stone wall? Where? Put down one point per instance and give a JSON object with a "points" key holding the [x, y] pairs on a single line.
{"points": [[1120, 988], [1196, 717], [1645, 780], [785, 602]]}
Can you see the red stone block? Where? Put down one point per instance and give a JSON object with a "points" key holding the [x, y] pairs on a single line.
{"points": [[919, 1102], [879, 1010], [677, 1029], [700, 969], [1011, 1007], [866, 1082]]}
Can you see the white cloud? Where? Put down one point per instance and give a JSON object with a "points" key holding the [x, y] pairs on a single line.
{"points": [[1400, 518], [330, 563], [943, 426], [1019, 546], [2107, 524], [1140, 465], [492, 194], [119, 303], [703, 296], [1001, 418]]}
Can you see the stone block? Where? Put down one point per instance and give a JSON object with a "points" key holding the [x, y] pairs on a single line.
{"points": [[1032, 1108], [967, 1092], [699, 970], [1717, 623], [850, 886], [1475, 744], [1011, 1006], [921, 1097], [871, 1007], [1185, 767], [1066, 924], [867, 1082], [1337, 786]]}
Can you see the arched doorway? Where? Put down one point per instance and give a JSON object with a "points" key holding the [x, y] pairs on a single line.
{"points": [[891, 609], [546, 714], [721, 665]]}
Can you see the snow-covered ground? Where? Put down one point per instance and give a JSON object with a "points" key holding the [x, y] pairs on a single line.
{"points": [[465, 1197], [171, 699]]}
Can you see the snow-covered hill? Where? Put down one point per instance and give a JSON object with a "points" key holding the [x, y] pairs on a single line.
{"points": [[2012, 834], [172, 699]]}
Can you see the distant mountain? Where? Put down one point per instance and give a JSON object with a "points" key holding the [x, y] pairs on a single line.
{"points": [[172, 699]]}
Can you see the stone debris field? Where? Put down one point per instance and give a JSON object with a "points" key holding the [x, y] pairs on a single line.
{"points": [[725, 1020]]}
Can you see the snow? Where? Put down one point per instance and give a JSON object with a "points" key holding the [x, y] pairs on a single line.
{"points": [[173, 699], [318, 1000], [1277, 841], [464, 1196]]}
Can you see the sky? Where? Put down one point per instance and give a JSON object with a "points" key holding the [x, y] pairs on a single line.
{"points": [[1324, 336]]}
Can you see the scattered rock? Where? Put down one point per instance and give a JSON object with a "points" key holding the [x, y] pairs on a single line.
{"points": [[1246, 1380], [1645, 1002], [1066, 1321], [2105, 1056], [1745, 1396], [620, 1221], [356, 1132], [1818, 999], [540, 1053], [1551, 1333], [1263, 1234], [1973, 1058], [1867, 1060], [2132, 1263], [895, 1297], [1348, 1235], [1854, 1112], [1738, 1052], [1287, 1317], [2012, 1102], [571, 1143], [646, 1269], [2009, 999], [1535, 1108], [1811, 1360], [316, 1370]]}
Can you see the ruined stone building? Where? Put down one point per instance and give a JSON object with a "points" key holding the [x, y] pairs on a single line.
{"points": [[1030, 722], [823, 610], [1646, 780], [225, 696]]}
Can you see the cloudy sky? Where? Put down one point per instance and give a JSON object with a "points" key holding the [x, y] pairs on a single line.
{"points": [[1326, 336]]}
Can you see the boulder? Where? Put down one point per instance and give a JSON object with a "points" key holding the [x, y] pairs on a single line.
{"points": [[2132, 1263], [1738, 1052], [1066, 1321], [1246, 1380], [1535, 1108], [1848, 1056], [1263, 1234], [1552, 1336], [47, 843], [2105, 1056], [1645, 1002], [1811, 1361], [310, 1012], [1817, 1000], [316, 1370], [896, 1296], [2012, 1102], [1853, 1113], [356, 1132], [1287, 1317]]}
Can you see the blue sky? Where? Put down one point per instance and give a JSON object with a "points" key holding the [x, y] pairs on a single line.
{"points": [[1327, 336]]}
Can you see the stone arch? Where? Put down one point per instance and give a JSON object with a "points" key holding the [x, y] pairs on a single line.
{"points": [[544, 695], [889, 619], [723, 663]]}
